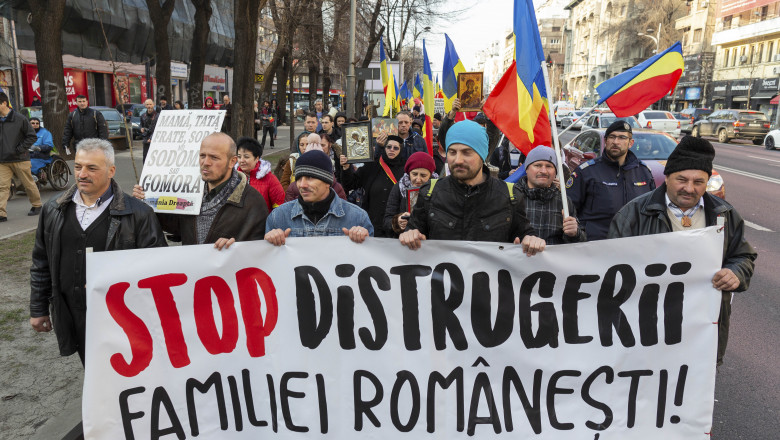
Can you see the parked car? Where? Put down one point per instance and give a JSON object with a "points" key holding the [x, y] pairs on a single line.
{"points": [[134, 112], [573, 118], [116, 126], [659, 120], [652, 147], [604, 120], [733, 124], [685, 122], [696, 113], [33, 112], [772, 139]]}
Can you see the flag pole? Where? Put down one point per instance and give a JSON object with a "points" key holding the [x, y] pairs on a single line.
{"points": [[561, 180], [590, 110]]}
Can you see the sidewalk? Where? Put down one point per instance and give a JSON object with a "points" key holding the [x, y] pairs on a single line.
{"points": [[19, 223]]}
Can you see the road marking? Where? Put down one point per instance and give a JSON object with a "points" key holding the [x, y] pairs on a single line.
{"points": [[763, 158], [757, 227], [746, 174]]}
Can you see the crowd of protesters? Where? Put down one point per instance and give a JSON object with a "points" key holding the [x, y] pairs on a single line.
{"points": [[405, 192]]}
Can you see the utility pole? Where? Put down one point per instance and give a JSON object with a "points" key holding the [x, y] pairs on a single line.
{"points": [[351, 86]]}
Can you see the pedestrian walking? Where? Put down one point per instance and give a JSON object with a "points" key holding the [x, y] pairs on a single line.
{"points": [[16, 137], [268, 117], [148, 123]]}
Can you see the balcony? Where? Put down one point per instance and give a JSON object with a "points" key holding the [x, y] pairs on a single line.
{"points": [[759, 29]]}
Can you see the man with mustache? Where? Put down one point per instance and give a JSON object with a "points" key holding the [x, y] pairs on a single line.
{"points": [[599, 187], [682, 203], [93, 214], [543, 202], [317, 212], [469, 204]]}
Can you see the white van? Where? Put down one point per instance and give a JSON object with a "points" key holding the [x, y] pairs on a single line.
{"points": [[561, 109]]}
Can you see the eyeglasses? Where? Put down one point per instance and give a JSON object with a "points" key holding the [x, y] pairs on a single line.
{"points": [[614, 137], [393, 148]]}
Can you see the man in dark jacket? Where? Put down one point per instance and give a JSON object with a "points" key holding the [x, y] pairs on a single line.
{"points": [[16, 137], [93, 214], [164, 105], [600, 187], [682, 204], [469, 204], [231, 209], [83, 123], [543, 204], [148, 122]]}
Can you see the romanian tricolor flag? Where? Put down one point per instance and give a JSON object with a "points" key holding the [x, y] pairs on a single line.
{"points": [[383, 65], [392, 103], [404, 94], [518, 103], [417, 91], [451, 67], [635, 89], [427, 85]]}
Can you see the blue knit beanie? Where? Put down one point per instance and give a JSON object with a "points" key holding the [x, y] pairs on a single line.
{"points": [[471, 134], [541, 153]]}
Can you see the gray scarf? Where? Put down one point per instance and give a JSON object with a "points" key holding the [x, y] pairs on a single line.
{"points": [[208, 210]]}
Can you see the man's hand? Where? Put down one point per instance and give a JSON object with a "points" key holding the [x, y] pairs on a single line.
{"points": [[531, 245], [223, 243], [277, 237], [725, 280], [382, 139], [455, 108], [343, 162], [570, 226], [41, 324], [412, 239], [138, 192], [357, 234]]}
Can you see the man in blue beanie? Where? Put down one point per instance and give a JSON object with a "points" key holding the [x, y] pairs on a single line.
{"points": [[317, 212], [469, 204]]}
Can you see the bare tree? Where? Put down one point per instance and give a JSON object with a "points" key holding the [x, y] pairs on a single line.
{"points": [[312, 46], [246, 14], [401, 17], [335, 43], [643, 17], [160, 13], [200, 38], [368, 22], [46, 22]]}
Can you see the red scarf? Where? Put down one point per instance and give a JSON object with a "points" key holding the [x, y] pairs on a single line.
{"points": [[387, 170]]}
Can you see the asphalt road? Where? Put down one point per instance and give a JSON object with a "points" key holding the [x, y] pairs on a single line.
{"points": [[747, 390]]}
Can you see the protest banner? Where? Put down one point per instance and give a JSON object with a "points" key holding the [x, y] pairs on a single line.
{"points": [[438, 106], [326, 338], [171, 174]]}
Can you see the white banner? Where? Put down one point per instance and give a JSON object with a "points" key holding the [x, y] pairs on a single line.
{"points": [[438, 106], [171, 173], [325, 338]]}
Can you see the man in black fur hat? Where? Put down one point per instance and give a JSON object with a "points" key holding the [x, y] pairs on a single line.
{"points": [[682, 203]]}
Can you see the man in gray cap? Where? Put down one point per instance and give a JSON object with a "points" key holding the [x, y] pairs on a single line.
{"points": [[543, 203], [682, 203], [599, 187]]}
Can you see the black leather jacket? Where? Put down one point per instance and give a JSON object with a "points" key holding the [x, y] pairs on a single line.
{"points": [[482, 212], [646, 215], [133, 226]]}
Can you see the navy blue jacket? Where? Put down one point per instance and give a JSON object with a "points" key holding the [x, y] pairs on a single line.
{"points": [[599, 187]]}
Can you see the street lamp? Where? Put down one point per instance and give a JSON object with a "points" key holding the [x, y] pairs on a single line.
{"points": [[655, 39]]}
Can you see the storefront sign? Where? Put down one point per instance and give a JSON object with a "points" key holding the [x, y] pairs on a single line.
{"points": [[768, 85], [734, 7], [214, 79], [75, 85], [178, 70], [692, 93]]}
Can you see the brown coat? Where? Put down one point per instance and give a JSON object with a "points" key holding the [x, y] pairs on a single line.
{"points": [[241, 217]]}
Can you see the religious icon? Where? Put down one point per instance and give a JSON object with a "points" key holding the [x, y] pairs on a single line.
{"points": [[470, 91], [357, 140]]}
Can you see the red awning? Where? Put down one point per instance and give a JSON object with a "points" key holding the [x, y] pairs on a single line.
{"points": [[775, 100]]}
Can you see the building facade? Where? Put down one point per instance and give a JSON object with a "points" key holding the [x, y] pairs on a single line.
{"points": [[747, 60]]}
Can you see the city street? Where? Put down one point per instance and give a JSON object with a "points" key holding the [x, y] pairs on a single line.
{"points": [[747, 390]]}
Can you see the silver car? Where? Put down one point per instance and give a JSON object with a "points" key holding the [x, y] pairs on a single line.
{"points": [[573, 118]]}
